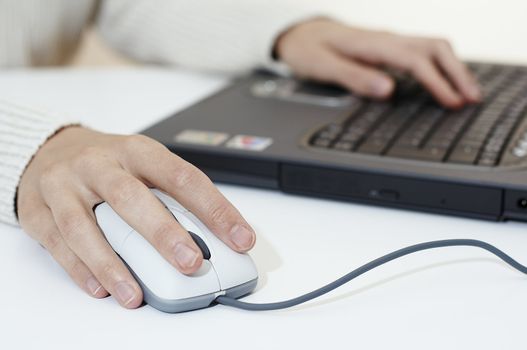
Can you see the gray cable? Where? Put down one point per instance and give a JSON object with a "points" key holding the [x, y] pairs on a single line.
{"points": [[224, 300]]}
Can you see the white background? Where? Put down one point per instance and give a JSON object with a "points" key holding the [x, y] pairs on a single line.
{"points": [[459, 298], [485, 29]]}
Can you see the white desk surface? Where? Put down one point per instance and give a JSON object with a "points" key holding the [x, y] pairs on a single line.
{"points": [[459, 298]]}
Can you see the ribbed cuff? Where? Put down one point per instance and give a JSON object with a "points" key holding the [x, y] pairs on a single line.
{"points": [[22, 132]]}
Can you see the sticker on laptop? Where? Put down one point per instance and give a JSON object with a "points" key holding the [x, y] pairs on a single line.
{"points": [[249, 143], [199, 137]]}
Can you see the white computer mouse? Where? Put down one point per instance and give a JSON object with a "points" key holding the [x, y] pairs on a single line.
{"points": [[223, 272]]}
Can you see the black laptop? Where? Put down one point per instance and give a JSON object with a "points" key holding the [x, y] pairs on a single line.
{"points": [[317, 140]]}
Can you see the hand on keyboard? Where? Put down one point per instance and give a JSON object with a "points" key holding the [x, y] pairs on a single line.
{"points": [[328, 51]]}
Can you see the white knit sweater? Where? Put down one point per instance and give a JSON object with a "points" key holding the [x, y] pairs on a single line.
{"points": [[228, 35]]}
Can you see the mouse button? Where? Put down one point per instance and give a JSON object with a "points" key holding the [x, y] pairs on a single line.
{"points": [[232, 268], [201, 244], [205, 268], [161, 278], [112, 226], [169, 201]]}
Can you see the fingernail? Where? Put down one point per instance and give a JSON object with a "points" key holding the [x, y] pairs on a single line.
{"points": [[381, 87], [125, 292], [457, 102], [185, 256], [242, 237], [93, 285]]}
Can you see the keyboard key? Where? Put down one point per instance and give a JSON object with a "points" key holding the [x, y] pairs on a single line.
{"points": [[344, 146], [374, 146], [519, 152], [415, 135], [435, 153], [431, 153], [352, 136], [323, 143], [487, 160], [464, 154], [389, 128]]}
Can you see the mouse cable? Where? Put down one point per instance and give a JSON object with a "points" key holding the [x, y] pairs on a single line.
{"points": [[225, 300]]}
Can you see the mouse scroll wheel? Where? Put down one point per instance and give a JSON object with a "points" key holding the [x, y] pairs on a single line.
{"points": [[197, 239], [201, 244]]}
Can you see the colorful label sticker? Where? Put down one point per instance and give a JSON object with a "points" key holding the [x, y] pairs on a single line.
{"points": [[199, 137], [250, 143]]}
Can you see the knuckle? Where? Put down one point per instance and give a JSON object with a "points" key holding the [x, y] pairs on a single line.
{"points": [[219, 215], [52, 176], [133, 143], [76, 267], [107, 270], [51, 242], [70, 225], [162, 233], [123, 191], [418, 66], [185, 177], [87, 158]]}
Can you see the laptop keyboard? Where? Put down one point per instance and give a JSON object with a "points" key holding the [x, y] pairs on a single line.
{"points": [[412, 125]]}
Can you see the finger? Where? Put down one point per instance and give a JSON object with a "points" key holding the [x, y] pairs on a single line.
{"points": [[394, 51], [427, 74], [80, 232], [49, 236], [143, 211], [361, 79], [456, 70], [425, 71], [155, 164]]}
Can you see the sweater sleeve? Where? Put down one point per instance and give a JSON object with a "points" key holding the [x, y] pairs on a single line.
{"points": [[224, 35], [22, 132]]}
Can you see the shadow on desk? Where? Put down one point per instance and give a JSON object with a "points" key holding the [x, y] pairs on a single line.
{"points": [[266, 257]]}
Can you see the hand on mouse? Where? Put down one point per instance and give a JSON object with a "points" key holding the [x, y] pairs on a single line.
{"points": [[328, 51], [78, 168]]}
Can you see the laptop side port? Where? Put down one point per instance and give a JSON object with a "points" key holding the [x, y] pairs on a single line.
{"points": [[515, 205]]}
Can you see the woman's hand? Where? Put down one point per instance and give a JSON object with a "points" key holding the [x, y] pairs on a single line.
{"points": [[79, 168], [328, 51]]}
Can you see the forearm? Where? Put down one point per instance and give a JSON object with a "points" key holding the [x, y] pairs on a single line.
{"points": [[22, 132]]}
